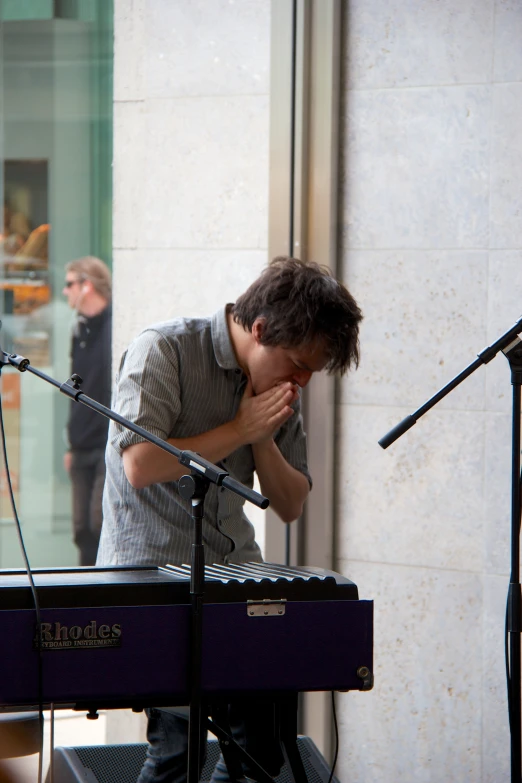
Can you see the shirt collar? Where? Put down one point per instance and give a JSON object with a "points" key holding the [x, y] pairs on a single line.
{"points": [[223, 349]]}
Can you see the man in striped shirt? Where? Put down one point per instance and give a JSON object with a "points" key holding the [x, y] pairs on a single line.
{"points": [[227, 387]]}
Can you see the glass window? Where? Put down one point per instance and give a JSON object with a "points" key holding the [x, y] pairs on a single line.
{"points": [[56, 63]]}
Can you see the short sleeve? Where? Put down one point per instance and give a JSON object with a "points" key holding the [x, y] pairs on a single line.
{"points": [[291, 441], [147, 390]]}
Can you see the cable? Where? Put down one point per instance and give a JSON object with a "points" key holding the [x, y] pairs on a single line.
{"points": [[508, 668], [336, 729], [33, 591], [51, 762]]}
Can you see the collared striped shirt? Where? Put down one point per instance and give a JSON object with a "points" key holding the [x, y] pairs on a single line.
{"points": [[176, 380]]}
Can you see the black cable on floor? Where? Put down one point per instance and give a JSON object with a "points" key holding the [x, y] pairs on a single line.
{"points": [[336, 729], [34, 594]]}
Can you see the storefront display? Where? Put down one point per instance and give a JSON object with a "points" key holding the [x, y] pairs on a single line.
{"points": [[56, 63]]}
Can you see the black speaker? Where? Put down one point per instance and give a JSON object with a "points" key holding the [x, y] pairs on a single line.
{"points": [[122, 763]]}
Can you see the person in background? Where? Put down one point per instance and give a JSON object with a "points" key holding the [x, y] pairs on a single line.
{"points": [[88, 289], [229, 387]]}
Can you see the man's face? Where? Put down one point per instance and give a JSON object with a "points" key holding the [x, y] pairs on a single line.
{"points": [[72, 290], [270, 365]]}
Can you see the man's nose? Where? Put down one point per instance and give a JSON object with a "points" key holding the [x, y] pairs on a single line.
{"points": [[302, 377]]}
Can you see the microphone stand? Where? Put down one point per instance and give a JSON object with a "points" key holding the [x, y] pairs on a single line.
{"points": [[192, 487], [510, 343]]}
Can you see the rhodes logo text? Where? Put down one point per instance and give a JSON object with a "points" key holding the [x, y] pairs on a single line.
{"points": [[55, 636]]}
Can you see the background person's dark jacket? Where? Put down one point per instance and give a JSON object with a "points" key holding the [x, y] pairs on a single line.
{"points": [[91, 360]]}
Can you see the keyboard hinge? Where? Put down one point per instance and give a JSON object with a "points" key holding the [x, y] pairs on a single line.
{"points": [[266, 608]]}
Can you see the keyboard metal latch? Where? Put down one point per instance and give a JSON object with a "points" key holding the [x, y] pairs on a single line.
{"points": [[266, 608]]}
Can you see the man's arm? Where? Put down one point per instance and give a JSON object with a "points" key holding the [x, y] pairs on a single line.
{"points": [[146, 464], [285, 487], [257, 419]]}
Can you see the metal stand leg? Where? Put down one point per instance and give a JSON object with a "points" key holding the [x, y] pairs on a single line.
{"points": [[194, 488], [513, 354], [287, 719], [227, 745], [235, 753]]}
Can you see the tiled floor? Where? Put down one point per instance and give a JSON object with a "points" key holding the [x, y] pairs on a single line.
{"points": [[70, 729]]}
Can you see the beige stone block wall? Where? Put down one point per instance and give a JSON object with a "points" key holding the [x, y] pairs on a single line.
{"points": [[190, 156], [432, 235]]}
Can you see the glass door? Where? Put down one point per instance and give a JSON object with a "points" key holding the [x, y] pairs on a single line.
{"points": [[56, 63]]}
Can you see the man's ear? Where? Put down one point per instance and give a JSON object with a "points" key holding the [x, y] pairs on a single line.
{"points": [[258, 327]]}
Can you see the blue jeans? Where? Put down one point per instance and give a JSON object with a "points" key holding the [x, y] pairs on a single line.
{"points": [[167, 734]]}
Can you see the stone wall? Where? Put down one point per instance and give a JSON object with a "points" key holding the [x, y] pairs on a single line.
{"points": [[432, 248], [190, 156]]}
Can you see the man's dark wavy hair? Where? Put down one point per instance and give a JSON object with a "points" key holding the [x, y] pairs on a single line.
{"points": [[303, 303]]}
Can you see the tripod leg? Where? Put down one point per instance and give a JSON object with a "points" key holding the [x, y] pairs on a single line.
{"points": [[235, 749], [287, 719], [219, 714]]}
